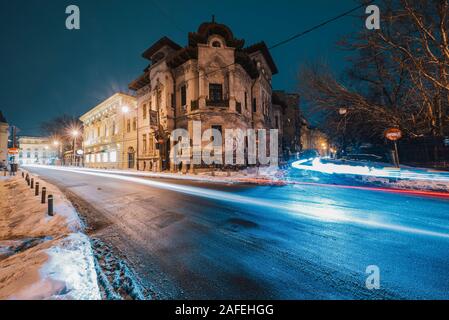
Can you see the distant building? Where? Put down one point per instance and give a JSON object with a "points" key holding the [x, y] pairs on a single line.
{"points": [[313, 138], [287, 118], [110, 133], [37, 150], [4, 132]]}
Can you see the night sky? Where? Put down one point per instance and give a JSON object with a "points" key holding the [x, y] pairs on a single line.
{"points": [[47, 70]]}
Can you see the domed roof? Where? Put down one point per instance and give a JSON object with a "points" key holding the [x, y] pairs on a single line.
{"points": [[206, 29], [209, 28]]}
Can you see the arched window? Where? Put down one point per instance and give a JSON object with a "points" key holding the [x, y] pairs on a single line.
{"points": [[216, 44]]}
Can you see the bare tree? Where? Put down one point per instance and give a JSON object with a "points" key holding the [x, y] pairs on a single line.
{"points": [[398, 75]]}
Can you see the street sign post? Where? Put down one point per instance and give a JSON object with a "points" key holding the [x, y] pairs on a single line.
{"points": [[394, 134], [13, 150]]}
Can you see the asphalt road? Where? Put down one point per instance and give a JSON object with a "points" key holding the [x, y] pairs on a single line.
{"points": [[198, 240]]}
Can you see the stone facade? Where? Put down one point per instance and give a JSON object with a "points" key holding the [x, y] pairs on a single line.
{"points": [[3, 140], [37, 150], [110, 133], [215, 79]]}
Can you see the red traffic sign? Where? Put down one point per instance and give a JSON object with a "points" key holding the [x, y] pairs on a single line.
{"points": [[393, 134], [13, 150]]}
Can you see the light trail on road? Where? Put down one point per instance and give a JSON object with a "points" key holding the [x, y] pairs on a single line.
{"points": [[434, 194], [331, 168], [321, 213]]}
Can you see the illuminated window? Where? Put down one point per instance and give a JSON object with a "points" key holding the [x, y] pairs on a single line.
{"points": [[144, 111], [144, 143], [113, 156]]}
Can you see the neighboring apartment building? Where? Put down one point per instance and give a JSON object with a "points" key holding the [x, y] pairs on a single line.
{"points": [[3, 141], [215, 79], [37, 150], [110, 133], [287, 117]]}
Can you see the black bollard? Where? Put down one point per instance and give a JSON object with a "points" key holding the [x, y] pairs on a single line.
{"points": [[44, 194], [23, 174], [50, 205], [32, 183], [36, 190]]}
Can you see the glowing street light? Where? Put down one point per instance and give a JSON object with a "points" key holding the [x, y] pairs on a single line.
{"points": [[125, 109], [74, 134]]}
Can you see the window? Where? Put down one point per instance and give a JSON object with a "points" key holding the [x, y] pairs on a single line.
{"points": [[151, 145], [134, 123], [144, 110], [238, 107], [158, 100], [183, 96], [277, 122], [254, 105], [114, 128], [216, 44], [128, 125], [144, 143], [98, 132], [215, 92], [246, 100]]}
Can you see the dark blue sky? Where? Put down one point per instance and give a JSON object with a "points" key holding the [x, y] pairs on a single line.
{"points": [[47, 70]]}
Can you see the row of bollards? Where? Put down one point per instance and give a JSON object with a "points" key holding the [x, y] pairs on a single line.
{"points": [[30, 181]]}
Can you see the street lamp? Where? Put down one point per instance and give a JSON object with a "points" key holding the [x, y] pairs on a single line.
{"points": [[344, 112], [57, 145], [74, 134], [125, 111]]}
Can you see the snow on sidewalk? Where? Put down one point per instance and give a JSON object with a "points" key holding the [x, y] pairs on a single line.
{"points": [[42, 257], [259, 176]]}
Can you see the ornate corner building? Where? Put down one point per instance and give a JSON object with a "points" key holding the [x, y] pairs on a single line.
{"points": [[215, 79]]}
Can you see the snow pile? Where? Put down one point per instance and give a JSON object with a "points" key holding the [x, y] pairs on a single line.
{"points": [[428, 185], [42, 257]]}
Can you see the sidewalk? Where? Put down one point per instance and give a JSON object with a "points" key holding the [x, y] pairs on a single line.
{"points": [[42, 257]]}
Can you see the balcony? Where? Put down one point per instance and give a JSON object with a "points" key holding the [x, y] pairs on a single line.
{"points": [[218, 103]]}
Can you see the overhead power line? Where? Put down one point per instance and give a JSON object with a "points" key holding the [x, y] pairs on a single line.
{"points": [[296, 36]]}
